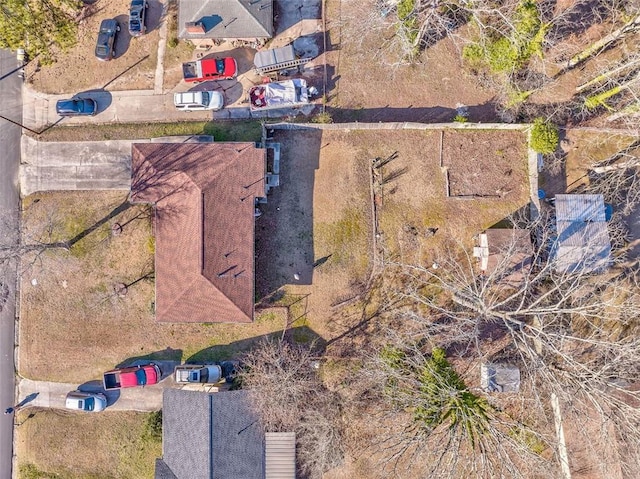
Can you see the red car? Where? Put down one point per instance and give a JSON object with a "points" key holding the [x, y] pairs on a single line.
{"points": [[210, 69], [133, 376]]}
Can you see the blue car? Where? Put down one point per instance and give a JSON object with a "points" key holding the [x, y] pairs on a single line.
{"points": [[105, 47], [138, 17], [77, 107]]}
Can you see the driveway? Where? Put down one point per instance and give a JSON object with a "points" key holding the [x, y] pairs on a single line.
{"points": [[87, 165], [52, 395]]}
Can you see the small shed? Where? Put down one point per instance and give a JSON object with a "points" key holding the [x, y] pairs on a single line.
{"points": [[276, 59], [582, 241], [495, 377], [280, 455], [506, 252]]}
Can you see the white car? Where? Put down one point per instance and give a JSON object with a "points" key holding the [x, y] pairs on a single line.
{"points": [[198, 100], [85, 401]]}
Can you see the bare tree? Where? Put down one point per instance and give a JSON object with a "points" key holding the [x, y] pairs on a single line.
{"points": [[572, 332], [288, 394]]}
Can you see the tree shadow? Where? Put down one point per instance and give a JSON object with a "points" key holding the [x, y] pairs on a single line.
{"points": [[234, 350], [578, 18], [284, 232], [485, 112]]}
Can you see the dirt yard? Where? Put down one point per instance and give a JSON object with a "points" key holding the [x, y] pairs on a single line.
{"points": [[79, 70], [367, 82], [318, 222], [482, 163]]}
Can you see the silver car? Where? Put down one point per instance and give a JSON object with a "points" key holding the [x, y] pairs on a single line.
{"points": [[85, 401]]}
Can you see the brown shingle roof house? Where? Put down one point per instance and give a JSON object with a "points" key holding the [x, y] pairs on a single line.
{"points": [[204, 198]]}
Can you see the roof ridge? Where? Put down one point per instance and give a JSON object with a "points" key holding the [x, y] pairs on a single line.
{"points": [[257, 21]]}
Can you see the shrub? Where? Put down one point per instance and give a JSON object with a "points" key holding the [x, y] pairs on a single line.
{"points": [[324, 117], [153, 426], [544, 136], [460, 119]]}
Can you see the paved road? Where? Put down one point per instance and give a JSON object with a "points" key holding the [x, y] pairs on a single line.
{"points": [[10, 107], [134, 107]]}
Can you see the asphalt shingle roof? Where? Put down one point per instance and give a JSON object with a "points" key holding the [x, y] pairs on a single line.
{"points": [[204, 226], [210, 436], [227, 18]]}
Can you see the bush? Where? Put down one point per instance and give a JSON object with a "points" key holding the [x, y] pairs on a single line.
{"points": [[544, 136], [324, 117], [153, 426]]}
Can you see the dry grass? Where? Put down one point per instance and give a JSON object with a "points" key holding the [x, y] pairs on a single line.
{"points": [[72, 315], [67, 445], [374, 83], [78, 69], [584, 148]]}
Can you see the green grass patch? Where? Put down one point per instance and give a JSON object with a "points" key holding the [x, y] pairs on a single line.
{"points": [[346, 240], [221, 131]]}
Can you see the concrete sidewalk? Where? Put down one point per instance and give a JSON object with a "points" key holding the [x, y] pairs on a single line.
{"points": [[133, 106]]}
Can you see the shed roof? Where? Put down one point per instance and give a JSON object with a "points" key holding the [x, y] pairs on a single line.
{"points": [[583, 238], [227, 18], [210, 436], [280, 455], [505, 252], [499, 377], [274, 56], [204, 226]]}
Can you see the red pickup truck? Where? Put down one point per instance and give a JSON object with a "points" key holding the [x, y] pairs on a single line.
{"points": [[133, 376], [209, 69]]}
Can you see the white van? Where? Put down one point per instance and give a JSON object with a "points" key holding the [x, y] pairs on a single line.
{"points": [[198, 100]]}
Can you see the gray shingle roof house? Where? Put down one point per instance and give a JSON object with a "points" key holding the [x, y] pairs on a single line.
{"points": [[210, 436], [225, 19], [583, 238], [218, 436]]}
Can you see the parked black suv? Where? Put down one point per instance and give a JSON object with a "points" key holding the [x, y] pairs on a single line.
{"points": [[138, 17], [77, 107], [105, 48]]}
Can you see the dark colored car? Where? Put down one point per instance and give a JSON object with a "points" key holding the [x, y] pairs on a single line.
{"points": [[138, 17], [105, 47], [76, 107]]}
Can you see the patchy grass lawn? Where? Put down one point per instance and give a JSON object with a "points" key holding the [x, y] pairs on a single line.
{"points": [[65, 445], [317, 225], [71, 314], [221, 131]]}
